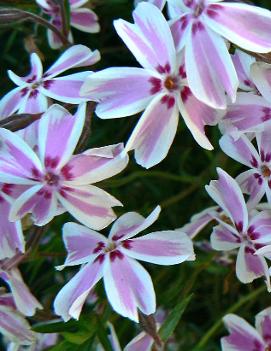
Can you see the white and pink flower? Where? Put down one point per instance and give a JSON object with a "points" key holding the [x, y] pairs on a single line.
{"points": [[56, 179], [35, 90], [128, 285], [160, 88]]}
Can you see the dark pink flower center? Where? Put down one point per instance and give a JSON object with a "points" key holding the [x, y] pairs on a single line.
{"points": [[171, 83], [265, 170], [51, 179]]}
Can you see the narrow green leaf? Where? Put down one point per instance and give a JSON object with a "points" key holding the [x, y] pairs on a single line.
{"points": [[55, 327], [103, 335], [173, 319]]}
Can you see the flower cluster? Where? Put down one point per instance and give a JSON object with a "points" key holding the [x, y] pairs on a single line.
{"points": [[191, 70]]}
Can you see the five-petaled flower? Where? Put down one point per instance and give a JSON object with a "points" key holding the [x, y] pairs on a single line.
{"points": [[243, 337], [238, 229], [201, 28], [33, 91], [161, 88], [56, 180], [81, 18], [128, 285]]}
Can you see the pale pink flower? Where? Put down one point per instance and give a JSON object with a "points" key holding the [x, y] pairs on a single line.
{"points": [[13, 325], [81, 18], [257, 180], [160, 88], [55, 178], [201, 28], [33, 91], [238, 229], [24, 301], [128, 285], [244, 337]]}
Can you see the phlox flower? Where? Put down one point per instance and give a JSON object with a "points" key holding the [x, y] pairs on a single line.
{"points": [[160, 88], [23, 299], [13, 325], [244, 337], [81, 18], [251, 112], [257, 180], [127, 284], [33, 91], [238, 229], [201, 28], [56, 180]]}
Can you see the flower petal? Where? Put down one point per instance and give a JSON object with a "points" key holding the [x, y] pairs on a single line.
{"points": [[121, 91], [164, 248], [132, 223], [227, 194], [149, 39], [208, 79], [243, 337], [10, 103], [196, 115], [142, 342], [89, 205], [75, 56], [222, 239], [81, 243], [244, 25], [128, 287], [241, 150], [261, 75], [242, 63], [198, 222], [85, 20], [34, 102], [155, 131], [65, 89], [250, 266], [55, 151], [250, 113], [11, 235], [15, 327], [70, 299], [252, 186], [263, 323], [18, 163], [95, 165], [24, 300], [180, 29]]}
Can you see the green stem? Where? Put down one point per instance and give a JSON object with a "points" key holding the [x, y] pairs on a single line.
{"points": [[213, 330]]}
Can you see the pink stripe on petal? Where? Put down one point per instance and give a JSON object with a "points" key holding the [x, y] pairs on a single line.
{"points": [[180, 29], [128, 287], [95, 165], [55, 151], [242, 336], [17, 160], [10, 103], [164, 248], [250, 113], [70, 299], [75, 56], [222, 239], [89, 205], [250, 266], [242, 63], [121, 91], [132, 223], [244, 25], [155, 131], [241, 150], [227, 194], [142, 342], [251, 185], [36, 102], [81, 243], [209, 80], [263, 324], [85, 20], [65, 89]]}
